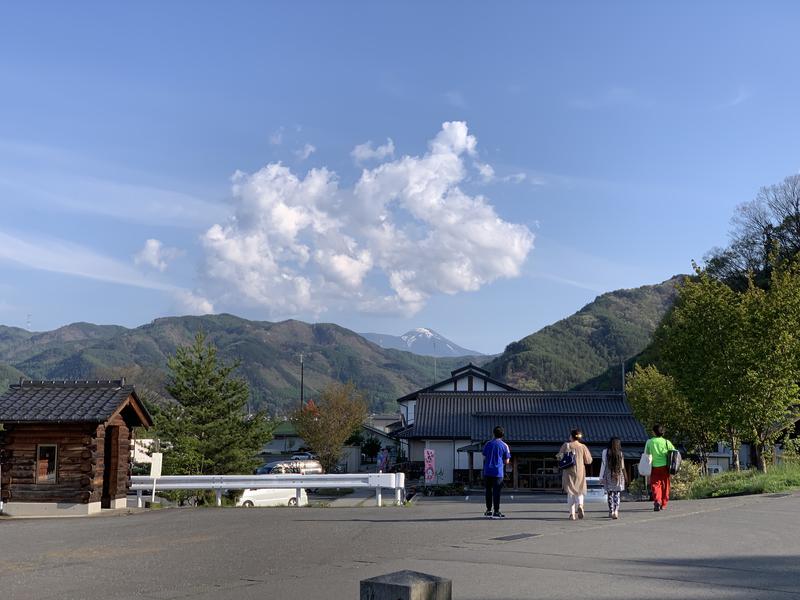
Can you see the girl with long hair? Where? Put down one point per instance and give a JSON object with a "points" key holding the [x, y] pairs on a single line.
{"points": [[612, 475]]}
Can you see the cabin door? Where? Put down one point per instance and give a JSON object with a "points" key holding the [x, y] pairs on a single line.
{"points": [[110, 466]]}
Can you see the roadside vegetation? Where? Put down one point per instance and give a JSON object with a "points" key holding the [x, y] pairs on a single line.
{"points": [[779, 478]]}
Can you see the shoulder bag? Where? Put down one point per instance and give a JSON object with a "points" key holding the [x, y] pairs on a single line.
{"points": [[645, 465]]}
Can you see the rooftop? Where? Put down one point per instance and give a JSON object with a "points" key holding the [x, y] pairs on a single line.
{"points": [[68, 401]]}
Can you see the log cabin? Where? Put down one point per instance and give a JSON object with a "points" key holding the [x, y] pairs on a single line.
{"points": [[65, 446]]}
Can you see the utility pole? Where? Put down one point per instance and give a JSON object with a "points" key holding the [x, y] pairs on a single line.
{"points": [[302, 403], [435, 379], [622, 369]]}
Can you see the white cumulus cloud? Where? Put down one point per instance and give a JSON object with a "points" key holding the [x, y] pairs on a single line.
{"points": [[190, 303], [366, 152], [154, 254], [404, 232]]}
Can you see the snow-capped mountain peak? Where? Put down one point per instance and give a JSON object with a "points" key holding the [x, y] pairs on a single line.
{"points": [[421, 340]]}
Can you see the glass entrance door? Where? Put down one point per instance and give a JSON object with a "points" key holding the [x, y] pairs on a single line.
{"points": [[538, 473]]}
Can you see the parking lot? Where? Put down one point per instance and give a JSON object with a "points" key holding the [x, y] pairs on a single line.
{"points": [[747, 547]]}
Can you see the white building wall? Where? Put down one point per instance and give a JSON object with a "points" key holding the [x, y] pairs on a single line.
{"points": [[462, 458], [445, 459], [415, 450], [491, 387]]}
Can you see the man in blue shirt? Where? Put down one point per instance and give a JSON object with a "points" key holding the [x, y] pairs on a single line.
{"points": [[496, 456]]}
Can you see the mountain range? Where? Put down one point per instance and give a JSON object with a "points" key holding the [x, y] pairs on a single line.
{"points": [[422, 341], [565, 355], [590, 344]]}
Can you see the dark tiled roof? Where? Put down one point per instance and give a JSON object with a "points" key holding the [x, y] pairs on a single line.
{"points": [[526, 416], [65, 401], [455, 375]]}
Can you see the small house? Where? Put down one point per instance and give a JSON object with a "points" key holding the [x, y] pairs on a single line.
{"points": [[65, 446]]}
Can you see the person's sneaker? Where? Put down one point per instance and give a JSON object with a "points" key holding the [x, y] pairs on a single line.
{"points": [[580, 512], [656, 507], [614, 516], [498, 515], [488, 513]]}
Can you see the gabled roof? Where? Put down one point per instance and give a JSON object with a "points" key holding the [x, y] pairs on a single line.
{"points": [[469, 369], [525, 416], [70, 402]]}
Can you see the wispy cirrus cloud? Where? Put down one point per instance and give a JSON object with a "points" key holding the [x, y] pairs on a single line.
{"points": [[59, 256], [64, 181], [306, 151], [741, 96], [611, 97]]}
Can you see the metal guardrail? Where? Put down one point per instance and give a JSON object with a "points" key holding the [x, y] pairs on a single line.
{"points": [[221, 483]]}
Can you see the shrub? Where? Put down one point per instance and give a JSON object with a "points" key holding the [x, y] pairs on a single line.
{"points": [[449, 489], [681, 484], [779, 478]]}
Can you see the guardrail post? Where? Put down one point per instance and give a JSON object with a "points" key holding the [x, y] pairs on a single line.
{"points": [[298, 494], [400, 482], [406, 585], [219, 497], [138, 498], [378, 501]]}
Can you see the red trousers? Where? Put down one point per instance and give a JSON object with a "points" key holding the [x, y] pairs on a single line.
{"points": [[659, 485]]}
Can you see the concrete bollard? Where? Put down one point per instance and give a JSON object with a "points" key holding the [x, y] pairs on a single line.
{"points": [[406, 585]]}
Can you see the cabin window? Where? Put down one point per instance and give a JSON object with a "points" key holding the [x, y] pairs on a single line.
{"points": [[46, 461]]}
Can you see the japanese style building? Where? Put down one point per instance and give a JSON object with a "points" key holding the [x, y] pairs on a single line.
{"points": [[65, 446], [456, 417]]}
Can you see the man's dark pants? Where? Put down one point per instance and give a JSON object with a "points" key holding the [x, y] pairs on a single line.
{"points": [[493, 487]]}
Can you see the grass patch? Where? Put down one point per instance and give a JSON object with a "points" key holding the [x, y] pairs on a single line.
{"points": [[779, 478]]}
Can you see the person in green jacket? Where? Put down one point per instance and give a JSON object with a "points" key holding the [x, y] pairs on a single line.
{"points": [[659, 448]]}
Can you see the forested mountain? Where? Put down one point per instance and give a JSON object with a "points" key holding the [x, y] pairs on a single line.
{"points": [[269, 355], [614, 327], [575, 351]]}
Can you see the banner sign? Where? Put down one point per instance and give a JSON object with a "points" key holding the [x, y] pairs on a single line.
{"points": [[430, 466]]}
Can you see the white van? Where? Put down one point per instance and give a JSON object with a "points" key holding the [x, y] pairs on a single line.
{"points": [[272, 497], [595, 492]]}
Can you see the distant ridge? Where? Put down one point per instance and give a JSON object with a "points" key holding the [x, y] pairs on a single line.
{"points": [[423, 341], [590, 344], [269, 354]]}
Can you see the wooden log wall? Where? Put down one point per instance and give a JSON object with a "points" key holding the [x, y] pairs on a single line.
{"points": [[123, 463], [76, 458]]}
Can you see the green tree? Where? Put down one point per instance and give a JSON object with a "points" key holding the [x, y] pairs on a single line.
{"points": [[735, 356], [699, 345], [326, 424], [771, 359], [655, 398], [371, 447], [207, 430]]}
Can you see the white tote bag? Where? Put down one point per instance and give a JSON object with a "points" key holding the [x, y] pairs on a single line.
{"points": [[645, 465]]}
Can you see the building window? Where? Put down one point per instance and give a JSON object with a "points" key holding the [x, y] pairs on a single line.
{"points": [[46, 463]]}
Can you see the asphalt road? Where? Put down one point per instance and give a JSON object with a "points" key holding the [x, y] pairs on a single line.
{"points": [[746, 547]]}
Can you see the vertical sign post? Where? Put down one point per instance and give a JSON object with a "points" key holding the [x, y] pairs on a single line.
{"points": [[155, 471]]}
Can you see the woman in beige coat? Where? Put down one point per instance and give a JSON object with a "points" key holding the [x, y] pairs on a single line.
{"points": [[573, 479]]}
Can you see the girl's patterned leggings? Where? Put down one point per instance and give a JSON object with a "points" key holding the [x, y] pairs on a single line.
{"points": [[613, 501]]}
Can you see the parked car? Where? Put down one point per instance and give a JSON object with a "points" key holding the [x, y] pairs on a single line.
{"points": [[306, 467], [304, 456], [272, 497], [595, 491]]}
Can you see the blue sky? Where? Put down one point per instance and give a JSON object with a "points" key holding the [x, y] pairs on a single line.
{"points": [[588, 148]]}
